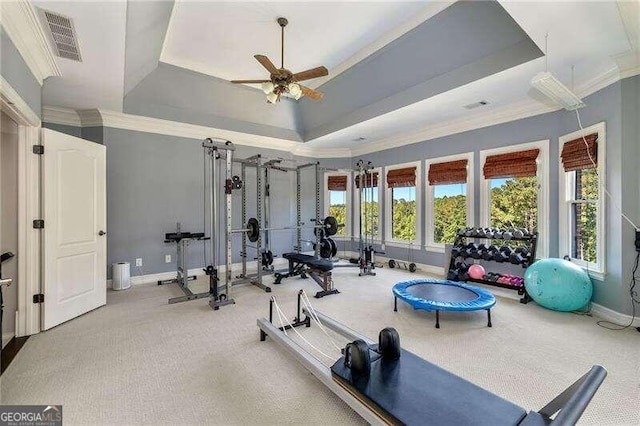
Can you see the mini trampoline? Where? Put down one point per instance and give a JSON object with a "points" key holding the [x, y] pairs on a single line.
{"points": [[440, 295]]}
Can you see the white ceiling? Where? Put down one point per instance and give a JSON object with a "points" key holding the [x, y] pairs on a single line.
{"points": [[318, 33], [583, 35], [97, 81]]}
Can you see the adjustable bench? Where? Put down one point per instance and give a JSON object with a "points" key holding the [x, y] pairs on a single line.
{"points": [[318, 269]]}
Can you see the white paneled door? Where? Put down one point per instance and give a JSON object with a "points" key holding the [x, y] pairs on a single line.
{"points": [[75, 242]]}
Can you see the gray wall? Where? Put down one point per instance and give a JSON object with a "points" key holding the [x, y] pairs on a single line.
{"points": [[18, 74], [617, 105], [63, 128], [178, 94], [154, 181]]}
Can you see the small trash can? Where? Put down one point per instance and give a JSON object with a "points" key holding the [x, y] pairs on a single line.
{"points": [[121, 273]]}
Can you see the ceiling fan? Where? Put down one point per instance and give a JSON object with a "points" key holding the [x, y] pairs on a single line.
{"points": [[284, 81]]}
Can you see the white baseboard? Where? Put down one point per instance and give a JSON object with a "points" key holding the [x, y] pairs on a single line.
{"points": [[163, 276], [422, 267], [613, 316]]}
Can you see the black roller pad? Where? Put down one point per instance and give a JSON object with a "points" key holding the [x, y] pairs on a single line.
{"points": [[413, 391], [323, 265]]}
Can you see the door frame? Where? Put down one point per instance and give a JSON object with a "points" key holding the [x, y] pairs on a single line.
{"points": [[29, 203]]}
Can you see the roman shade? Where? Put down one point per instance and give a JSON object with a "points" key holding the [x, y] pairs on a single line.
{"points": [[369, 180], [337, 183], [399, 178], [511, 164], [448, 172], [575, 153]]}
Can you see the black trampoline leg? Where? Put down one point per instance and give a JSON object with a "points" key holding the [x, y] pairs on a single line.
{"points": [[489, 318], [395, 304], [437, 319]]}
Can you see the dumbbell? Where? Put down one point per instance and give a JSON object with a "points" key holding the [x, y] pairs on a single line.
{"points": [[477, 254], [489, 252], [497, 234], [507, 235], [503, 254], [463, 231], [520, 256], [470, 250], [453, 274], [518, 233], [456, 251], [489, 233]]}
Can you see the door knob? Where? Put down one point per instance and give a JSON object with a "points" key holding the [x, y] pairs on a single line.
{"points": [[5, 281], [101, 233]]}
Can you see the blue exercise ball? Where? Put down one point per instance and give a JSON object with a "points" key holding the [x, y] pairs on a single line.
{"points": [[558, 284]]}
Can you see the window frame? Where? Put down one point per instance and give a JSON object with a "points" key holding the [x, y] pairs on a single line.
{"points": [[430, 244], [348, 201], [565, 191], [388, 216], [356, 205], [542, 175]]}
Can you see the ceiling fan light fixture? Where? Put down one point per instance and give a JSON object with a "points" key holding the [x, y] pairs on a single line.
{"points": [[272, 98], [295, 90], [267, 87]]}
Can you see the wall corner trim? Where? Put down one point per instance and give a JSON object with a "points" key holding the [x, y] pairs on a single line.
{"points": [[20, 21], [61, 115], [15, 106]]}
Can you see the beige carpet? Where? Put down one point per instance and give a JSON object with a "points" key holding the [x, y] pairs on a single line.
{"points": [[139, 360]]}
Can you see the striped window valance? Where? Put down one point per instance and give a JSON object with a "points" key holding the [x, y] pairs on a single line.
{"points": [[576, 155], [369, 180], [448, 172], [512, 164], [398, 178], [337, 183]]}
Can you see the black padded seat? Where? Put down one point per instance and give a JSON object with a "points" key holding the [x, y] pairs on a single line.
{"points": [[413, 391], [323, 265]]}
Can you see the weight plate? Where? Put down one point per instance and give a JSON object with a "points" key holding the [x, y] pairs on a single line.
{"points": [[253, 227], [318, 232], [325, 249], [331, 225], [334, 247]]}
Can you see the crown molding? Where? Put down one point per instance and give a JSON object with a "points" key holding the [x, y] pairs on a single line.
{"points": [[15, 106], [504, 114], [499, 115], [20, 21], [61, 115]]}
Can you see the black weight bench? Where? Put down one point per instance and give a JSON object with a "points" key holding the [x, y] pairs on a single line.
{"points": [[303, 265]]}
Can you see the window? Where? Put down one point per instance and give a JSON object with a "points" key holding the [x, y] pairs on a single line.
{"points": [[403, 203], [514, 190], [581, 201], [337, 200], [368, 205], [449, 199]]}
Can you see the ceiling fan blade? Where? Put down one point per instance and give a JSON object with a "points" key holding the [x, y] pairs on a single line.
{"points": [[265, 62], [313, 94], [249, 81], [312, 73]]}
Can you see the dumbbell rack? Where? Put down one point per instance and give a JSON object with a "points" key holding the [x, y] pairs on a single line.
{"points": [[531, 242]]}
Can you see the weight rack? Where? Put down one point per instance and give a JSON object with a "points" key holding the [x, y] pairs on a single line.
{"points": [[530, 240]]}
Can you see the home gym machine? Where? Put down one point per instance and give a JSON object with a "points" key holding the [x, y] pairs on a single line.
{"points": [[366, 182], [386, 384], [215, 150], [182, 240]]}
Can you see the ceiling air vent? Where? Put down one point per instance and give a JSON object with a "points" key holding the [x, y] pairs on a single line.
{"points": [[62, 35], [476, 105]]}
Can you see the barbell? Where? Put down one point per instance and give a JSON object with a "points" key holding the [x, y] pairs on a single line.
{"points": [[329, 226]]}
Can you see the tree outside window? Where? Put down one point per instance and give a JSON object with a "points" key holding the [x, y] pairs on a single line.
{"points": [[338, 209], [584, 214], [404, 212], [514, 203], [449, 211]]}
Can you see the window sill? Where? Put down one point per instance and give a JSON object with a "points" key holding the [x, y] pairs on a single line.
{"points": [[435, 248], [403, 244], [593, 272]]}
